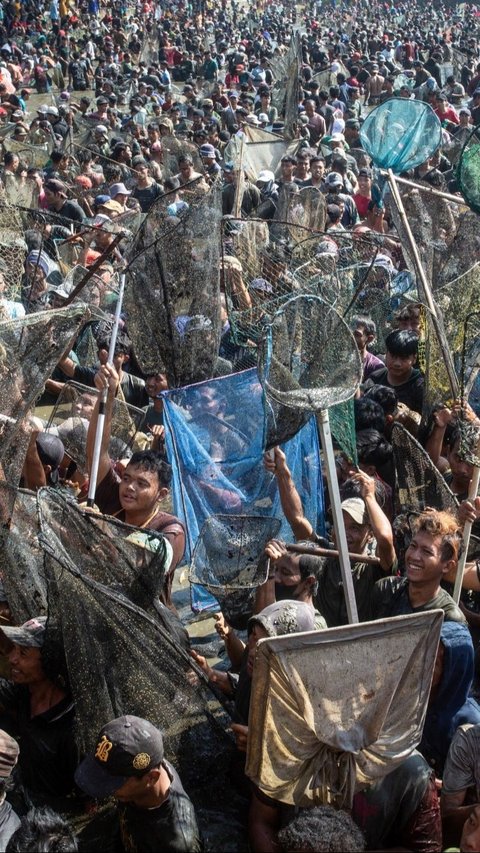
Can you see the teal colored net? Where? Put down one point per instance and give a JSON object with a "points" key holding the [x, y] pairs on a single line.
{"points": [[342, 425], [468, 171], [400, 134]]}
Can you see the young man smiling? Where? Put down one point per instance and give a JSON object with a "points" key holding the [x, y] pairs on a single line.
{"points": [[431, 557]]}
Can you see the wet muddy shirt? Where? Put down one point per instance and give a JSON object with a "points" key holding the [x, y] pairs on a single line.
{"points": [[390, 598], [170, 828]]}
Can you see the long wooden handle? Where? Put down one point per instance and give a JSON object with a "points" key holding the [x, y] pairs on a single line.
{"points": [[327, 552]]}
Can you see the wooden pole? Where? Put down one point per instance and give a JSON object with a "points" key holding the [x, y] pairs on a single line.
{"points": [[425, 288]]}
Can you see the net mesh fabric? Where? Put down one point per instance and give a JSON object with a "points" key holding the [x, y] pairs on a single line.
{"points": [[468, 172], [13, 250], [419, 483], [215, 432], [22, 572], [401, 134], [70, 419], [227, 562], [30, 348], [172, 296], [101, 596], [309, 358]]}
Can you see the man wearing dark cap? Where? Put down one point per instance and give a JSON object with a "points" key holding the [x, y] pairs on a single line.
{"points": [[154, 811], [56, 197], [209, 160]]}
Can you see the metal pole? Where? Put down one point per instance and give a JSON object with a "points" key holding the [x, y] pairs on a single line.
{"points": [[426, 292], [92, 486], [338, 525]]}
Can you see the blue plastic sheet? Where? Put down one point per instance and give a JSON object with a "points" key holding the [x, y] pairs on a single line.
{"points": [[400, 134], [215, 439]]}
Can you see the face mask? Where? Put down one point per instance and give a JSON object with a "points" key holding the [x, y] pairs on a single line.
{"points": [[284, 592]]}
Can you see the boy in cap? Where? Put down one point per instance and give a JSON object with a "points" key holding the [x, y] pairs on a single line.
{"points": [[154, 811]]}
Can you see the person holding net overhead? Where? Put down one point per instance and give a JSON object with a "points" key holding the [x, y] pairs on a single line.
{"points": [[137, 497], [368, 531]]}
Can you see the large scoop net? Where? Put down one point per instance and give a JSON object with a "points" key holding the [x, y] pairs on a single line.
{"points": [[173, 295], [326, 704], [30, 348], [309, 358], [227, 561], [70, 420], [101, 586]]}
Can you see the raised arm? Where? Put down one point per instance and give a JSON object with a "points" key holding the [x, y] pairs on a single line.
{"points": [[289, 497], [381, 527], [106, 377]]}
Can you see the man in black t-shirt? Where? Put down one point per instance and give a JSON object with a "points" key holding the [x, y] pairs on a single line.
{"points": [[399, 372], [68, 210], [154, 811], [431, 558]]}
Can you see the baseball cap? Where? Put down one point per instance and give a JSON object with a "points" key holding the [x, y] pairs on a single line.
{"points": [[9, 752], [128, 746], [464, 111], [31, 634], [101, 128], [265, 176], [112, 206], [356, 509], [117, 189], [252, 119], [207, 151], [365, 172], [334, 180], [53, 111]]}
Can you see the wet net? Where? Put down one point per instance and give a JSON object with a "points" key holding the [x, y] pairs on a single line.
{"points": [[401, 134], [22, 572], [215, 439], [227, 562], [103, 581], [309, 358], [468, 171], [172, 296], [419, 482], [30, 348], [70, 419]]}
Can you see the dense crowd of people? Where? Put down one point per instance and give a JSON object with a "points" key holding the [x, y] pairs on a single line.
{"points": [[117, 117]]}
